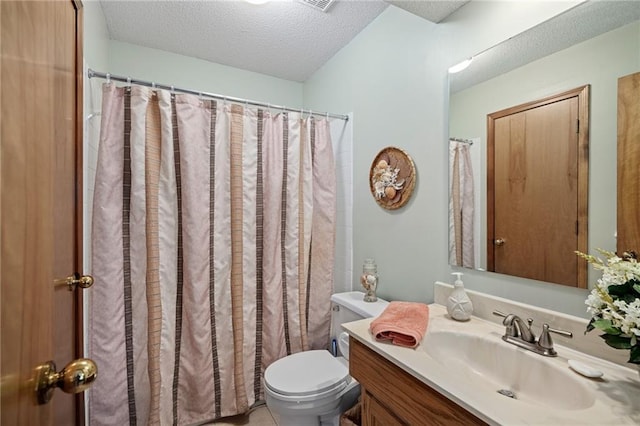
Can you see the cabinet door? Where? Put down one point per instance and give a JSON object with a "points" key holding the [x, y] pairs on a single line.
{"points": [[398, 397], [376, 414]]}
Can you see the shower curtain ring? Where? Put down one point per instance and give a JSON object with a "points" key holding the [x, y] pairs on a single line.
{"points": [[129, 81], [108, 78]]}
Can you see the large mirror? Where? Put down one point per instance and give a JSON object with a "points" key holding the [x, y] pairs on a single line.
{"points": [[584, 50]]}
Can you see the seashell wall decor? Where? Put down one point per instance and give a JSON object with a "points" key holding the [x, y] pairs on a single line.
{"points": [[392, 178]]}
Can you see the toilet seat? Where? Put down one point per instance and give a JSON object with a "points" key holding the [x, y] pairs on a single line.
{"points": [[306, 375]]}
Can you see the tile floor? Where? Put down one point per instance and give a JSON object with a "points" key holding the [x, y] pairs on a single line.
{"points": [[259, 416]]}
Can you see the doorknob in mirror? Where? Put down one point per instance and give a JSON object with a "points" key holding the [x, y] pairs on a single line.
{"points": [[75, 377], [499, 242]]}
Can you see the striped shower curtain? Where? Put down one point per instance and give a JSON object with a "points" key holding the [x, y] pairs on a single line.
{"points": [[461, 206], [213, 240]]}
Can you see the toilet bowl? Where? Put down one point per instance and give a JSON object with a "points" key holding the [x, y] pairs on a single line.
{"points": [[314, 388], [310, 388]]}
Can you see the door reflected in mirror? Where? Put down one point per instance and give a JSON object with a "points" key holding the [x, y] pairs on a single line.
{"points": [[537, 174], [491, 84]]}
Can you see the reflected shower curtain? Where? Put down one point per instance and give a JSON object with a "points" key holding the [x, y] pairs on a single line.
{"points": [[461, 206], [213, 241]]}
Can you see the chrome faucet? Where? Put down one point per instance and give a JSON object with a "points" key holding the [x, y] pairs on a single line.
{"points": [[518, 333], [516, 328]]}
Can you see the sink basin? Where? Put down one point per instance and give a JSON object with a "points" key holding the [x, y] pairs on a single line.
{"points": [[501, 366]]}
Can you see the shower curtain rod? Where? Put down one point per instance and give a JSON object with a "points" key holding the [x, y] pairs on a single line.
{"points": [[469, 141], [91, 74]]}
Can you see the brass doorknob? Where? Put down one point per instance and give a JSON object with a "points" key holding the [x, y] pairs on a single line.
{"points": [[75, 377], [75, 280], [499, 242]]}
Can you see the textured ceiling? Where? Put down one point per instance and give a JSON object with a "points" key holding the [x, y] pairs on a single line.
{"points": [[434, 11], [585, 21], [282, 38], [285, 39]]}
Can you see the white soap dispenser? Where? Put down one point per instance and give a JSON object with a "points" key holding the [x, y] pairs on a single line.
{"points": [[459, 305]]}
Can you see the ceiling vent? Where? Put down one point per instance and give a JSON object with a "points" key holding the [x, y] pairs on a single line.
{"points": [[322, 5]]}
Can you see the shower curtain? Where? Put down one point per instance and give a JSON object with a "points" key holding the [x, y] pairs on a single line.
{"points": [[461, 205], [213, 240]]}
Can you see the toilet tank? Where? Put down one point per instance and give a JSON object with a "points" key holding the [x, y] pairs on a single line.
{"points": [[350, 306]]}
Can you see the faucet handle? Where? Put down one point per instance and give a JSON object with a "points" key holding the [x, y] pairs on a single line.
{"points": [[499, 314], [564, 333], [545, 341], [511, 330]]}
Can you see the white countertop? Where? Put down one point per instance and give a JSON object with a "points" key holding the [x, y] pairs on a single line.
{"points": [[617, 393]]}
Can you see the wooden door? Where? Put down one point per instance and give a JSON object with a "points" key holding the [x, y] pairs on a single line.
{"points": [[537, 189], [40, 210], [628, 216]]}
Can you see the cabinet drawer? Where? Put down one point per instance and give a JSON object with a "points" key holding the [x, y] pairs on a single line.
{"points": [[374, 413]]}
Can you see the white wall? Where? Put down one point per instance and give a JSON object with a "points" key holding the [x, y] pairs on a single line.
{"points": [[342, 140], [192, 73], [393, 77], [96, 52], [383, 77]]}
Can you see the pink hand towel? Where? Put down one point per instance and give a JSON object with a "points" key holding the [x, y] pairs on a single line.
{"points": [[404, 323]]}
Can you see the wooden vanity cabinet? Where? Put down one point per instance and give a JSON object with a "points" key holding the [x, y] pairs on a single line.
{"points": [[391, 396]]}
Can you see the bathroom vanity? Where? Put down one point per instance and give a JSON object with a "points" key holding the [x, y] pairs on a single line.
{"points": [[392, 396], [464, 373]]}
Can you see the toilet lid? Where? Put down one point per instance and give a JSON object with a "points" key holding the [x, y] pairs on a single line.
{"points": [[306, 373]]}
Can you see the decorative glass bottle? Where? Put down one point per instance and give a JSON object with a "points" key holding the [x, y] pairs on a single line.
{"points": [[369, 279]]}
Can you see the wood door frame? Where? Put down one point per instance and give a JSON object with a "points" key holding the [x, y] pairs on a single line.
{"points": [[582, 93], [79, 164], [628, 177]]}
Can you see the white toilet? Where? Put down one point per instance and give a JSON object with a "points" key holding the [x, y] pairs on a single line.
{"points": [[314, 388]]}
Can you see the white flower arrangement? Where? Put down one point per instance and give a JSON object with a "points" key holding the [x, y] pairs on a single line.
{"points": [[614, 302]]}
